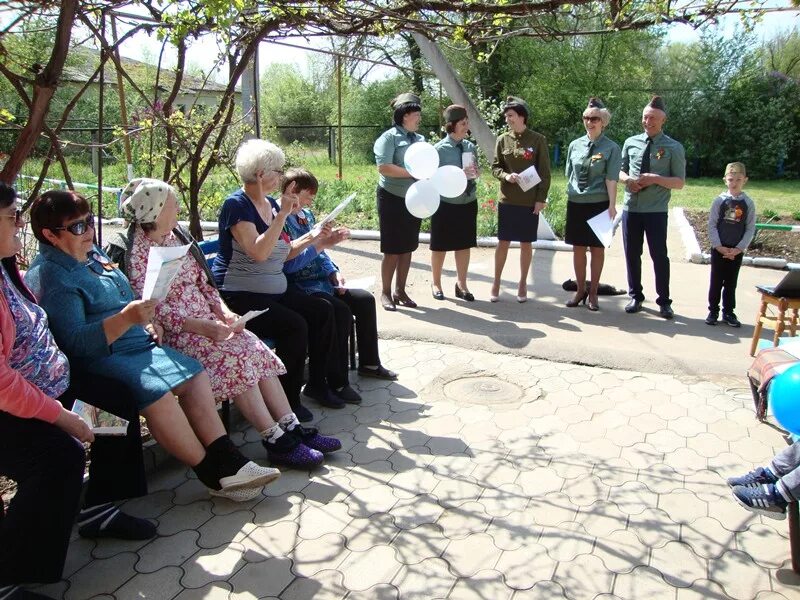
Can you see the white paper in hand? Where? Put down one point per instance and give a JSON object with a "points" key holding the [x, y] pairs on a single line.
{"points": [[100, 421], [336, 211], [250, 314], [528, 178], [603, 227], [163, 264], [364, 283]]}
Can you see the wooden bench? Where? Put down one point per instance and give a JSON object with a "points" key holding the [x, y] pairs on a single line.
{"points": [[782, 313]]}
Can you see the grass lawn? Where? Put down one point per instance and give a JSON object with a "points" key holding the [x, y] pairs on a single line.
{"points": [[779, 196]]}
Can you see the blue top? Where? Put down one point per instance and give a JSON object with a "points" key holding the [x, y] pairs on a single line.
{"points": [[83, 294], [598, 162], [34, 353], [390, 149], [667, 158], [314, 276], [234, 270]]}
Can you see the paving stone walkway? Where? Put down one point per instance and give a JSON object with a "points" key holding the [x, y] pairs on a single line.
{"points": [[476, 475]]}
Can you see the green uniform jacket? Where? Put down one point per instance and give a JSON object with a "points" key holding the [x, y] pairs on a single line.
{"points": [[667, 158], [603, 164], [514, 153]]}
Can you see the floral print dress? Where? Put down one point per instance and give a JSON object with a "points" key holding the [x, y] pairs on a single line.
{"points": [[234, 365]]}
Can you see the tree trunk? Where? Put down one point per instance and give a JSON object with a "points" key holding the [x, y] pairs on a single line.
{"points": [[44, 88]]}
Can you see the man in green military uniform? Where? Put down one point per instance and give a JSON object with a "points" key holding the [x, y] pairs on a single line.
{"points": [[653, 164]]}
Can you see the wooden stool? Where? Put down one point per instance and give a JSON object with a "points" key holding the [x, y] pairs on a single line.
{"points": [[778, 321]]}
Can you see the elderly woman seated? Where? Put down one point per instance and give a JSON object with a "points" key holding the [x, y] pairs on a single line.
{"points": [[199, 324], [39, 439], [322, 279], [249, 273], [101, 328]]}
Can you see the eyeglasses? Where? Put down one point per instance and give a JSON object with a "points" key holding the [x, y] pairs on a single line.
{"points": [[78, 227], [591, 119], [19, 218]]}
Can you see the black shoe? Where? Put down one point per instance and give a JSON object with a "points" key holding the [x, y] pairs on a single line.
{"points": [[323, 396], [666, 311], [109, 522], [437, 295], [464, 295], [730, 319], [348, 395], [712, 318], [633, 306], [302, 413]]}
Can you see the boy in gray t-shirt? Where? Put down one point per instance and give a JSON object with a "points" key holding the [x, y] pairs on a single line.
{"points": [[731, 225]]}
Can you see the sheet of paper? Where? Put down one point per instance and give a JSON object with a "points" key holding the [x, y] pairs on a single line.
{"points": [[363, 283], [163, 264], [335, 212], [603, 227], [250, 314], [528, 178]]}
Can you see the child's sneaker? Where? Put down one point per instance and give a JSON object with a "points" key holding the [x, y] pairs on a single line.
{"points": [[731, 319], [754, 478], [764, 500], [712, 318]]}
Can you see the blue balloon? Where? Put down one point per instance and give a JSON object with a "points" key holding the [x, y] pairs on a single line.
{"points": [[784, 398]]}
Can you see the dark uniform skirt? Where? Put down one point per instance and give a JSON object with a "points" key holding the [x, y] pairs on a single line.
{"points": [[577, 231], [399, 228], [516, 223], [454, 227]]}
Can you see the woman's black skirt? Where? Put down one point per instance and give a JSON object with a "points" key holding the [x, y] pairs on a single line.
{"points": [[516, 223], [399, 228], [454, 227], [577, 231]]}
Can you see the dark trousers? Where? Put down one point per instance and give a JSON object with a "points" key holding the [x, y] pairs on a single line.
{"points": [[361, 305], [116, 471], [285, 327], [634, 228], [47, 465], [724, 276]]}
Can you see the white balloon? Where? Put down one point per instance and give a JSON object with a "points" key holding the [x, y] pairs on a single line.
{"points": [[421, 160], [422, 199], [450, 181]]}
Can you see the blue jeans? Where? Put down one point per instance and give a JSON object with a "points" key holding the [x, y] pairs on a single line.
{"points": [[634, 228]]}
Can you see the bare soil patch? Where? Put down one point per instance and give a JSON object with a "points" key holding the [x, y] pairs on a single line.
{"points": [[774, 244]]}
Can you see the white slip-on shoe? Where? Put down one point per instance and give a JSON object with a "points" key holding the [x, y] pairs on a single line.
{"points": [[247, 483]]}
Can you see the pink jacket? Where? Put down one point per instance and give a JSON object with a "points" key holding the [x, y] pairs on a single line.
{"points": [[19, 397]]}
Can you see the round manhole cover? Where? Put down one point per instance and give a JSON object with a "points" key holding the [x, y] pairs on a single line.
{"points": [[482, 390]]}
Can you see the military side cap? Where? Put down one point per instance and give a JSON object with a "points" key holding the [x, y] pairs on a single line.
{"points": [[657, 102], [406, 98], [595, 103]]}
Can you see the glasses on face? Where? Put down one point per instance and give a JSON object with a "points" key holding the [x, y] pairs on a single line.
{"points": [[19, 218], [78, 227], [591, 119]]}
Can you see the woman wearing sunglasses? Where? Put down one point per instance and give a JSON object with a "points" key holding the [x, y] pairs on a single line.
{"points": [[104, 331], [593, 163]]}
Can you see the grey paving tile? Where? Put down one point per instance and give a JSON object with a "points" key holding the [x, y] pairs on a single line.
{"points": [[409, 513], [363, 534], [263, 579], [584, 577], [325, 585], [275, 540], [212, 565], [632, 497], [543, 589], [318, 521], [102, 576], [654, 527], [223, 529], [765, 545], [382, 591], [455, 491], [471, 554], [702, 590], [108, 547], [469, 518], [425, 580], [503, 500], [480, 586], [621, 551], [601, 518], [377, 498], [678, 564], [738, 574], [163, 584], [707, 537], [285, 507], [540, 481], [566, 541], [585, 491], [184, 517], [167, 551], [311, 557], [683, 506], [364, 570], [643, 582], [514, 531], [415, 545], [552, 509]]}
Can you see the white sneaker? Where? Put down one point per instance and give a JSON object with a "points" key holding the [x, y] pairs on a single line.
{"points": [[247, 483]]}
